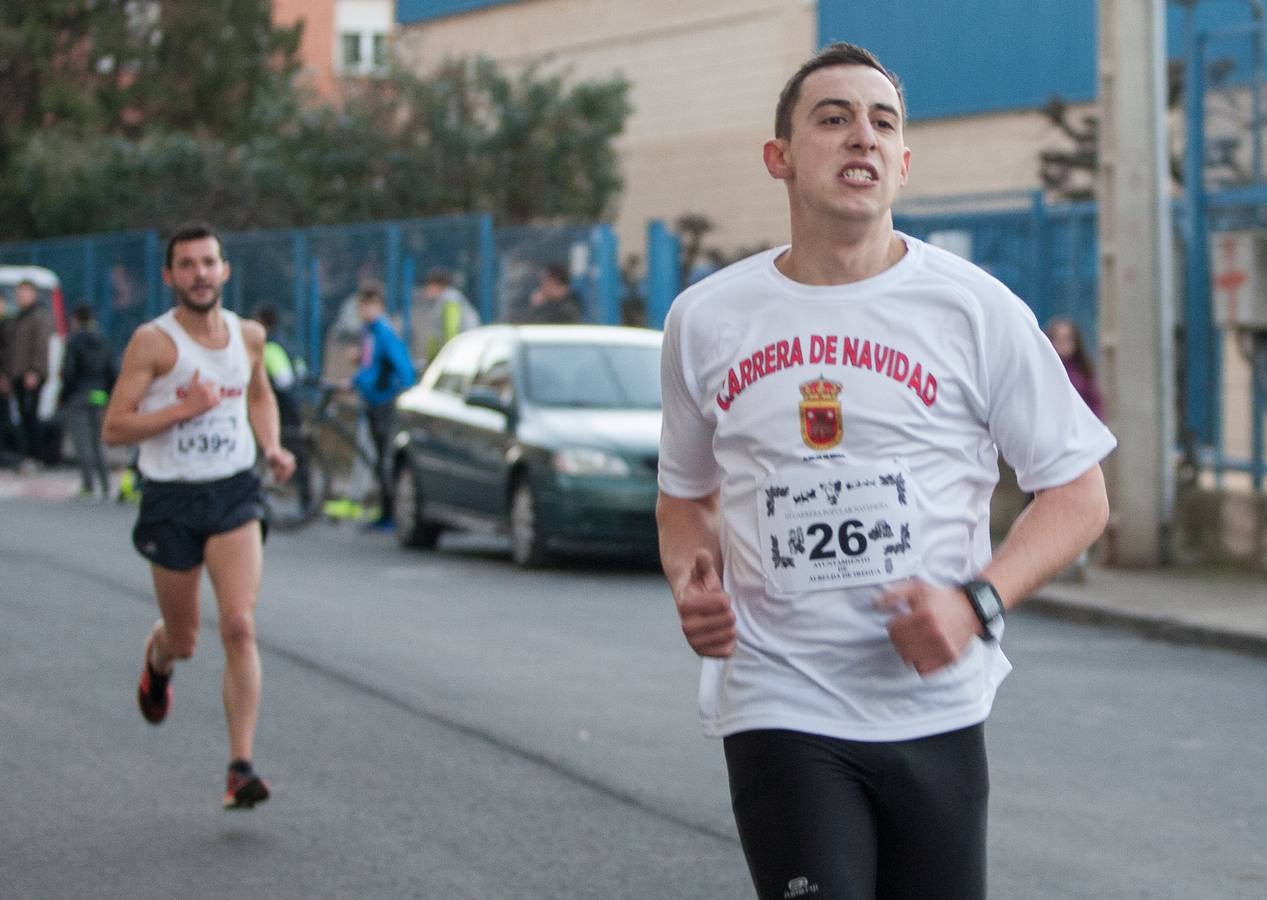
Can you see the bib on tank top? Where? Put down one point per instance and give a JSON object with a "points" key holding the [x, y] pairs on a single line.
{"points": [[218, 443]]}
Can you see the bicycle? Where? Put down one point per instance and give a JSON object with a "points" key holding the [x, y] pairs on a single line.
{"points": [[334, 463]]}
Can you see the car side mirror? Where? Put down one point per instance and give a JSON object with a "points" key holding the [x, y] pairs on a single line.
{"points": [[487, 398]]}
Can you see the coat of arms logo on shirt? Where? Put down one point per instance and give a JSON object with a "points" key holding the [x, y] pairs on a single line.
{"points": [[821, 428]]}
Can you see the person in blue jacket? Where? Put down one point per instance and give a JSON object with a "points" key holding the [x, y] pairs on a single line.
{"points": [[385, 371]]}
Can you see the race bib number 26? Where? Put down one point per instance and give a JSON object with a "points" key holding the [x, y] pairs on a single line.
{"points": [[838, 527]]}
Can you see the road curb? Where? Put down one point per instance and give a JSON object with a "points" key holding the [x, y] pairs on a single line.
{"points": [[1159, 628]]}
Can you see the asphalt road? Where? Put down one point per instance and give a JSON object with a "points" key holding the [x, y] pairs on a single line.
{"points": [[444, 725]]}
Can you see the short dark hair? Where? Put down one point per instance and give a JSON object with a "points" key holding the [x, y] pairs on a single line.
{"points": [[266, 315], [370, 292], [837, 54], [559, 273], [26, 282], [440, 275], [83, 314], [191, 231]]}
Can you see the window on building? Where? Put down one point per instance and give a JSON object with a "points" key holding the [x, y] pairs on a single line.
{"points": [[351, 44], [379, 56]]}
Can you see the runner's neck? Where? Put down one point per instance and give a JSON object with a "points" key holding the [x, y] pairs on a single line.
{"points": [[818, 262], [208, 329]]}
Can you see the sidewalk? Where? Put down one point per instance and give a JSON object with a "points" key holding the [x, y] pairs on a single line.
{"points": [[61, 483], [1205, 605]]}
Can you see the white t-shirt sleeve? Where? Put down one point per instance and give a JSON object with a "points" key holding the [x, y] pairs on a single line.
{"points": [[1042, 427], [688, 467]]}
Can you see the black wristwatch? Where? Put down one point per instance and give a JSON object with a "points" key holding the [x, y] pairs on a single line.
{"points": [[986, 603]]}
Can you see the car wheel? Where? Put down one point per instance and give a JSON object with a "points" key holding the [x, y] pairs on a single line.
{"points": [[527, 541], [412, 528]]}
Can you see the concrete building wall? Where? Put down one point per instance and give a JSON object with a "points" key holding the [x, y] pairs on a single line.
{"points": [[704, 79]]}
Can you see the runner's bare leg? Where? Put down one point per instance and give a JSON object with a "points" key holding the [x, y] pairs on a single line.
{"points": [[234, 561], [175, 635]]}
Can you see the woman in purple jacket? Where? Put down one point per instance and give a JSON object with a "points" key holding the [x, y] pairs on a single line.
{"points": [[1067, 340]]}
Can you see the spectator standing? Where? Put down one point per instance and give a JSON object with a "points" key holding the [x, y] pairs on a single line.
{"points": [[553, 302], [10, 442], [27, 366], [87, 377], [285, 383], [833, 415], [280, 370], [1067, 339], [385, 371], [444, 312]]}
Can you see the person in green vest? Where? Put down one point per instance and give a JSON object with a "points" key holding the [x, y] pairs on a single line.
{"points": [[279, 368], [444, 312], [285, 383]]}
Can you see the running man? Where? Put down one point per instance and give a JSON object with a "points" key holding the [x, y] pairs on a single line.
{"points": [[833, 414], [194, 395]]}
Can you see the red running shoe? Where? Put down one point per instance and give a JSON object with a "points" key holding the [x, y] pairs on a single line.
{"points": [[243, 788], [154, 693]]}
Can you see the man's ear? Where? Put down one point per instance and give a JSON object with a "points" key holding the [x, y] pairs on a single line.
{"points": [[775, 155], [906, 166]]}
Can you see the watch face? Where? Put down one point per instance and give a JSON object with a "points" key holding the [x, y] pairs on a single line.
{"points": [[986, 599]]}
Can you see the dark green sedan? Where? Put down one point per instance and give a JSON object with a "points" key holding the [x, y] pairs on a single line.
{"points": [[547, 432]]}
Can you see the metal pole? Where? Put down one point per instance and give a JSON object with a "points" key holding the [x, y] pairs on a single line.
{"points": [[1136, 288], [314, 314], [299, 293], [486, 270], [153, 274], [1197, 342], [408, 270], [1256, 84]]}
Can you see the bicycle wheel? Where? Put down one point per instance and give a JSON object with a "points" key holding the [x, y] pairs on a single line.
{"points": [[294, 503]]}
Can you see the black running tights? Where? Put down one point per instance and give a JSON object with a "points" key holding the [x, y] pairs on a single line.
{"points": [[830, 819]]}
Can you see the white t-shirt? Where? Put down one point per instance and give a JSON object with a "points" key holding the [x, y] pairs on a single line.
{"points": [[218, 443], [853, 431]]}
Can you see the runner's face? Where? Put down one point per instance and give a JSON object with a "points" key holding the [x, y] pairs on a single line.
{"points": [[197, 274], [846, 157]]}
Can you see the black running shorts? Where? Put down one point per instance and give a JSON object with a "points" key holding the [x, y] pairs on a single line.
{"points": [[828, 819], [177, 517]]}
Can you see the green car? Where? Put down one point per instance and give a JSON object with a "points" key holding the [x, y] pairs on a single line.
{"points": [[549, 433]]}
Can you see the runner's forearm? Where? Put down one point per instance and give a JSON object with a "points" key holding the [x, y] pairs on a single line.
{"points": [[686, 527], [1048, 535], [132, 427], [265, 421]]}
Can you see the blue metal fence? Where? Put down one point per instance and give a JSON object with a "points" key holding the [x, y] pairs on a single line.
{"points": [[310, 275], [1225, 189], [1045, 253]]}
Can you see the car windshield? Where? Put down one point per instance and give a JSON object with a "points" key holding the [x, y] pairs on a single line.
{"points": [[592, 375]]}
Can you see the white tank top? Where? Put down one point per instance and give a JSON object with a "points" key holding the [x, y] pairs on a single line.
{"points": [[217, 444]]}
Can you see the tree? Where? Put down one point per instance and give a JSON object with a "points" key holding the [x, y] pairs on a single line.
{"points": [[1069, 171], [472, 137], [140, 113], [111, 109]]}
